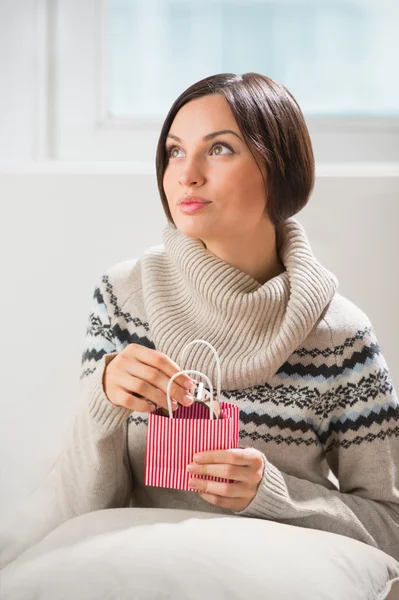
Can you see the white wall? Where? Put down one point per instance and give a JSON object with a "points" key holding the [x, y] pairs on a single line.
{"points": [[60, 232]]}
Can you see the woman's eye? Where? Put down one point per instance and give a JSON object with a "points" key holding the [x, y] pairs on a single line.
{"points": [[173, 149], [220, 146]]}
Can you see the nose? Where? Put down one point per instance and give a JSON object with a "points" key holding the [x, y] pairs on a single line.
{"points": [[191, 175]]}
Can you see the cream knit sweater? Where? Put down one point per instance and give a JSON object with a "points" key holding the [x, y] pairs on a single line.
{"points": [[301, 361]]}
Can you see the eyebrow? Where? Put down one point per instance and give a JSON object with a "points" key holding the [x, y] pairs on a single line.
{"points": [[210, 136]]}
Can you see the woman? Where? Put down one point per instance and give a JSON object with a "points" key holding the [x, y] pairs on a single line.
{"points": [[319, 416]]}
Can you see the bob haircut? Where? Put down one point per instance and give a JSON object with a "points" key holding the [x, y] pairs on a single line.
{"points": [[273, 127]]}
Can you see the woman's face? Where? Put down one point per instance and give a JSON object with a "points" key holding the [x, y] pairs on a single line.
{"points": [[221, 169]]}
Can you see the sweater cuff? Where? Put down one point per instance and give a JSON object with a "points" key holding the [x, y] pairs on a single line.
{"points": [[105, 414], [271, 496]]}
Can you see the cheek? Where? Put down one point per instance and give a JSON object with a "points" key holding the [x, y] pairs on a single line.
{"points": [[250, 178], [165, 181], [168, 185], [246, 186]]}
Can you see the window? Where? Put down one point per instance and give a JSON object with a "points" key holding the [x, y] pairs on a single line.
{"points": [[338, 57], [121, 63]]}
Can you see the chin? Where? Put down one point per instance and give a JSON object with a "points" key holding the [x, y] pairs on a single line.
{"points": [[190, 227]]}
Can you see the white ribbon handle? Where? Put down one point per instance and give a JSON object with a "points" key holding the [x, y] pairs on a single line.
{"points": [[177, 375], [219, 372]]}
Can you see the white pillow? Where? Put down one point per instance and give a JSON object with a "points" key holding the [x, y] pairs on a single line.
{"points": [[154, 554]]}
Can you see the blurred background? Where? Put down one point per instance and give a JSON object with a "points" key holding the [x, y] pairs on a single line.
{"points": [[84, 88]]}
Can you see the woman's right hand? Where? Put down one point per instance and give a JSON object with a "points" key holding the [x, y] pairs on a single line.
{"points": [[138, 374]]}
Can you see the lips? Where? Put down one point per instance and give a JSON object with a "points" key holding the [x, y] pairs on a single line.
{"points": [[193, 200], [193, 207]]}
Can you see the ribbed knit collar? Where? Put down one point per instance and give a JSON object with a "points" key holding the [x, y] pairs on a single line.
{"points": [[189, 293]]}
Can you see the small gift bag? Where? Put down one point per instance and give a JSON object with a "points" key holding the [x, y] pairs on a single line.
{"points": [[173, 440]]}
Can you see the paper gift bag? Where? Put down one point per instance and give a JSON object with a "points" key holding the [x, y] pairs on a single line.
{"points": [[173, 440]]}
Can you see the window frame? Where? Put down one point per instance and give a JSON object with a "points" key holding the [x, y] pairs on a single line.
{"points": [[81, 130]]}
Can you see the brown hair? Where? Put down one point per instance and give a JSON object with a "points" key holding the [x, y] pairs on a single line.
{"points": [[272, 125]]}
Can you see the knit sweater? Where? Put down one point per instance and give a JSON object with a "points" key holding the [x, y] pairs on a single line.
{"points": [[301, 361]]}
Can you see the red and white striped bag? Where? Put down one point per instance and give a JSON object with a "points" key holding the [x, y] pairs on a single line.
{"points": [[173, 440]]}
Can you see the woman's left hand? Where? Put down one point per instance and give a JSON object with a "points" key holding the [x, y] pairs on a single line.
{"points": [[243, 465]]}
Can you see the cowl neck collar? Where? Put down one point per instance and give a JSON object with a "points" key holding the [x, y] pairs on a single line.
{"points": [[189, 293]]}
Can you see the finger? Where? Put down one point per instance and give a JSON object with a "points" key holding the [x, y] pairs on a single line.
{"points": [[227, 471], [137, 404], [236, 504], [144, 390], [162, 362], [155, 384], [232, 456], [218, 488], [149, 405]]}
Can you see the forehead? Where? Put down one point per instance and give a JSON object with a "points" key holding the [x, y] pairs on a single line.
{"points": [[203, 115]]}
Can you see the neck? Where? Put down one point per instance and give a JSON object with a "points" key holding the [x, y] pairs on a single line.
{"points": [[253, 254]]}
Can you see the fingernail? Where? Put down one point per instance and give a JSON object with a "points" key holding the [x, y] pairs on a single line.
{"points": [[188, 384], [188, 399]]}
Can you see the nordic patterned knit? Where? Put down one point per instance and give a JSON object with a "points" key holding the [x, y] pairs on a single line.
{"points": [[301, 361]]}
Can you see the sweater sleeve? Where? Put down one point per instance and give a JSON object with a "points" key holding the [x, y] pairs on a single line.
{"points": [[359, 429], [92, 469]]}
